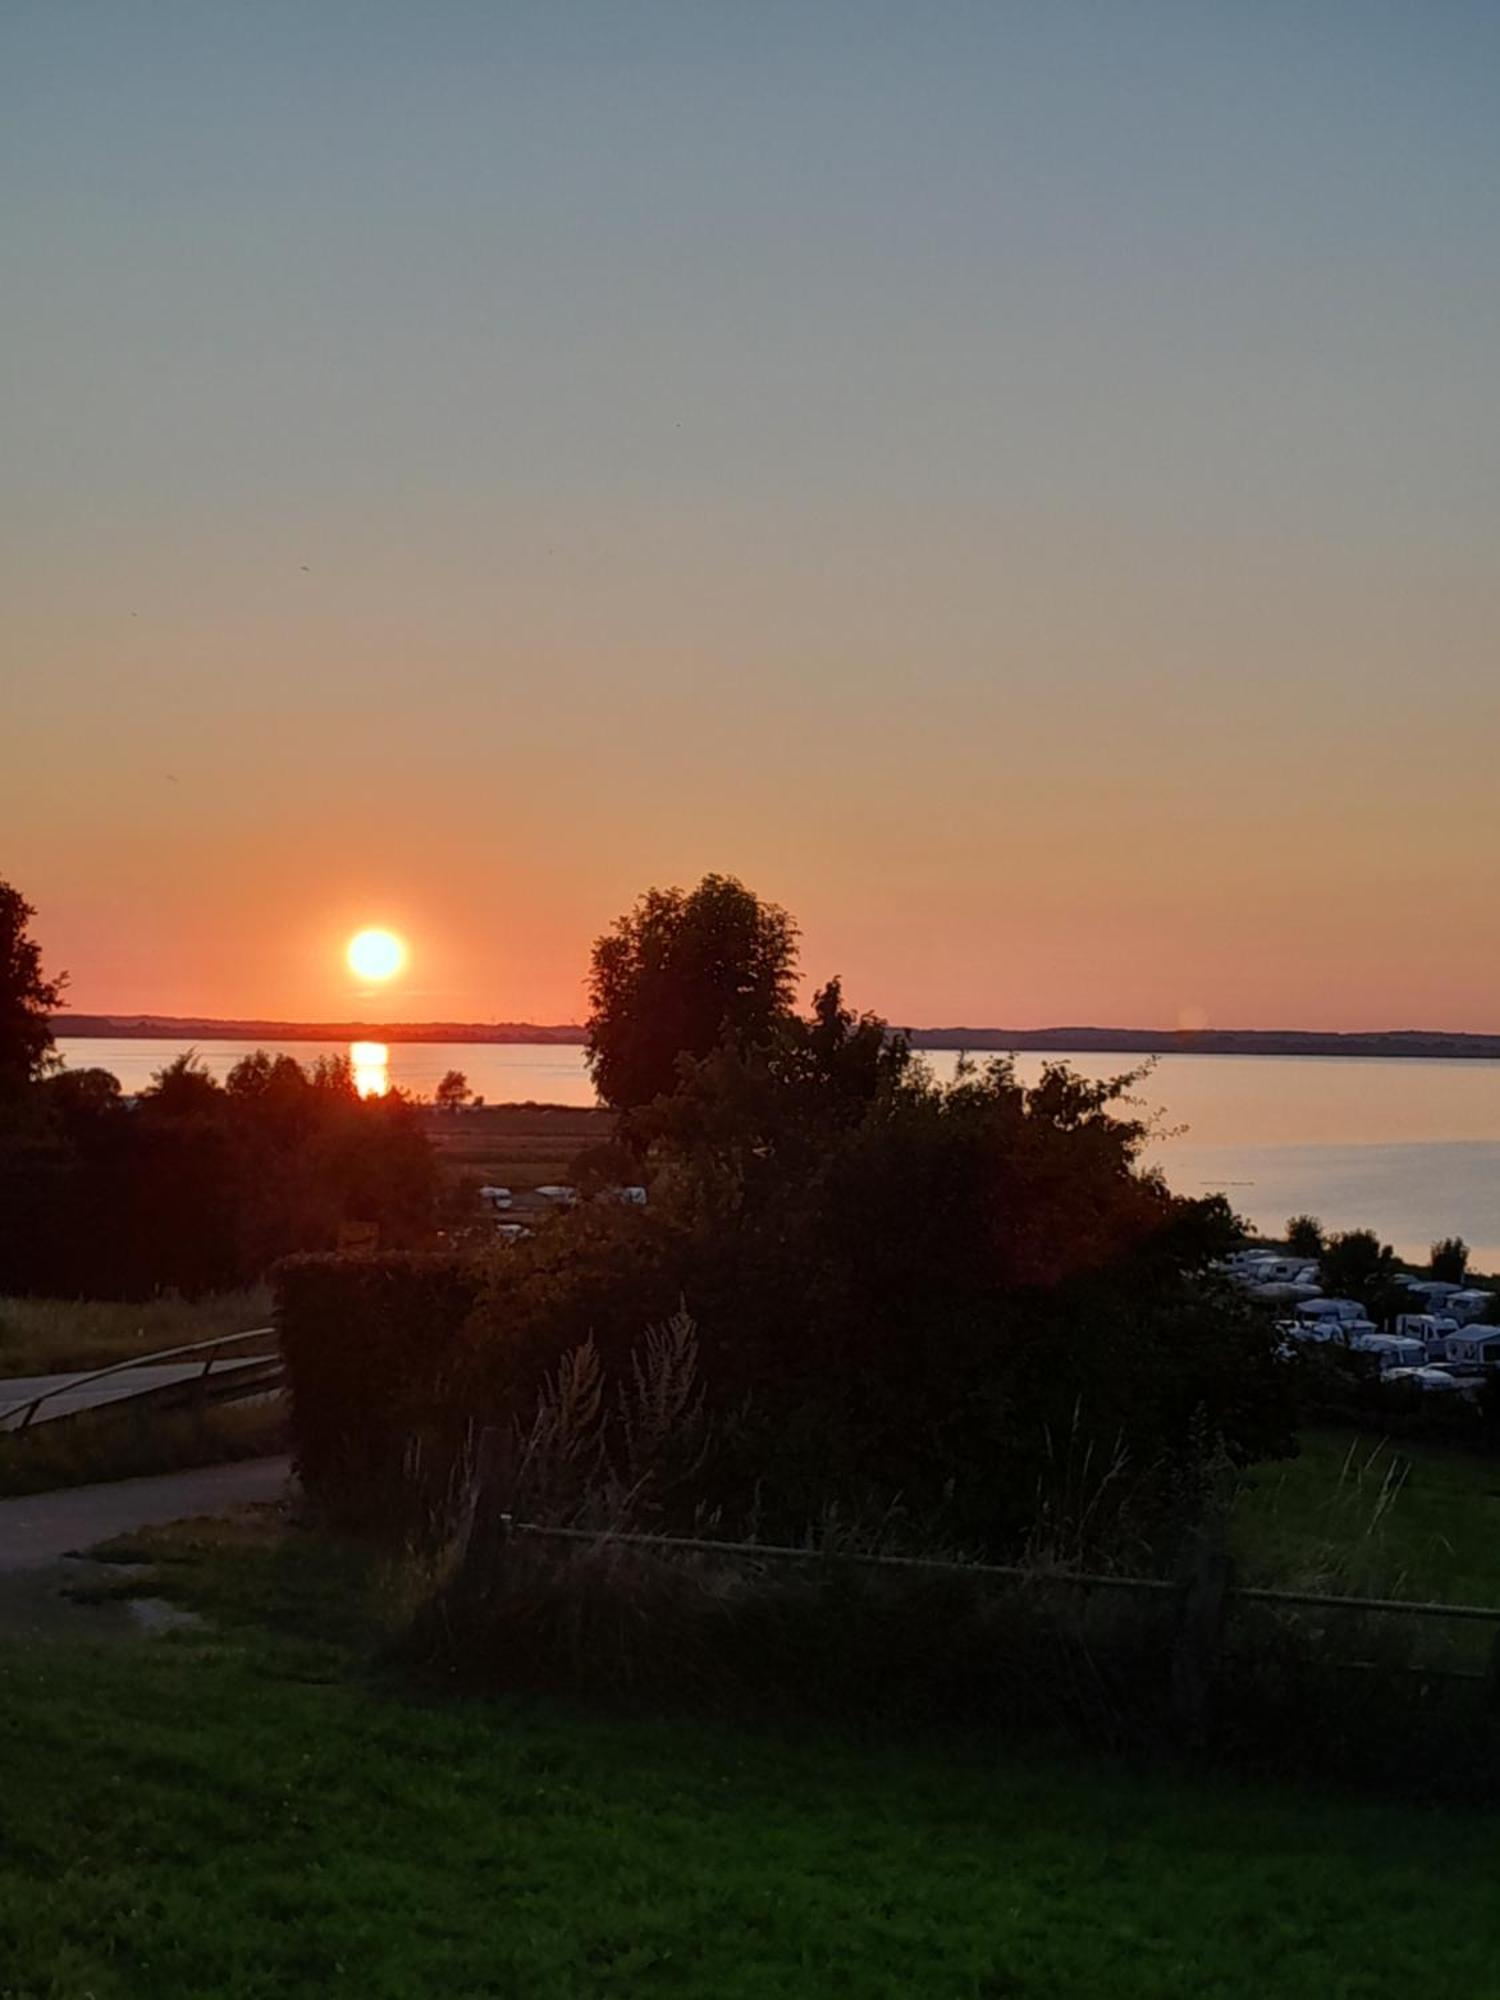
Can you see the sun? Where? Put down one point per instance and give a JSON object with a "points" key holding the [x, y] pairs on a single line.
{"points": [[376, 955]]}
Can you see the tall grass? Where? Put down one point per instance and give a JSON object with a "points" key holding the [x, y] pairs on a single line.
{"points": [[58, 1336], [124, 1442]]}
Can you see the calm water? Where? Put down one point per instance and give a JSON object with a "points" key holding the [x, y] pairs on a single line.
{"points": [[1411, 1149]]}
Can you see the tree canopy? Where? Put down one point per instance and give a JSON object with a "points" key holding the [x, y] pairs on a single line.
{"points": [[27, 996], [683, 974], [1304, 1235], [1449, 1259]]}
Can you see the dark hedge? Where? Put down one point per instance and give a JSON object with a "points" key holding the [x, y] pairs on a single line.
{"points": [[374, 1352]]}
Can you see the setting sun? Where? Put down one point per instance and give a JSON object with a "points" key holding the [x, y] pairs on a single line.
{"points": [[376, 955]]}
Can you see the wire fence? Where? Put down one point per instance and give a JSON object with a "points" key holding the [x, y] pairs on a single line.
{"points": [[1199, 1601]]}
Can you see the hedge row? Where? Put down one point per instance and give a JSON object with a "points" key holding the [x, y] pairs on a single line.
{"points": [[374, 1354]]}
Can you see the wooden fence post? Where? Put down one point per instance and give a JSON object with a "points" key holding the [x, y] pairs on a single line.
{"points": [[1492, 1687], [1205, 1584], [485, 1528]]}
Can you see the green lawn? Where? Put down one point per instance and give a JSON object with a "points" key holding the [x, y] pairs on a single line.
{"points": [[248, 1811], [1353, 1513]]}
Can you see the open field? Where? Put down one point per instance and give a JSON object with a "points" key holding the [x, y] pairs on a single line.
{"points": [[1353, 1513], [515, 1145], [247, 1810], [54, 1336]]}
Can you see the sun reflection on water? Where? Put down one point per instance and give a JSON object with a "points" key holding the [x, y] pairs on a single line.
{"points": [[371, 1062]]}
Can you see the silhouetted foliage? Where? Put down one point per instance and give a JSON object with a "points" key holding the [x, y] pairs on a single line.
{"points": [[371, 1346], [1304, 1236], [679, 975], [1357, 1265], [906, 1295], [27, 998], [453, 1091], [200, 1186], [1449, 1260]]}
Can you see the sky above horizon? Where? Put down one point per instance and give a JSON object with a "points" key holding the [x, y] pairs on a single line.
{"points": [[1018, 485]]}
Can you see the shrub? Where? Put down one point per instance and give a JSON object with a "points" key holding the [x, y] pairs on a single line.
{"points": [[376, 1364], [906, 1292]]}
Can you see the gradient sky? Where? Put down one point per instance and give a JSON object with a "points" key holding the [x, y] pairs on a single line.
{"points": [[1018, 484]]}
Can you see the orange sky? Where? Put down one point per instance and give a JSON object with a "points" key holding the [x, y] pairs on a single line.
{"points": [[1026, 500]]}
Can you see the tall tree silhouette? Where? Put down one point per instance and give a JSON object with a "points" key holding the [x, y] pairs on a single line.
{"points": [[27, 998], [685, 974]]}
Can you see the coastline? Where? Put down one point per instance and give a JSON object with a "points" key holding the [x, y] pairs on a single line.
{"points": [[1405, 1043]]}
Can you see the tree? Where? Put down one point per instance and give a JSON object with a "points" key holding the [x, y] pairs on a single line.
{"points": [[1449, 1260], [683, 975], [27, 998], [453, 1091], [1304, 1236], [1357, 1265], [907, 1294]]}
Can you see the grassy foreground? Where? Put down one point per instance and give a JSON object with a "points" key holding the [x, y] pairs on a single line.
{"points": [[247, 1811]]}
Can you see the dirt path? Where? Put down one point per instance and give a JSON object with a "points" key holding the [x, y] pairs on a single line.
{"points": [[39, 1529]]}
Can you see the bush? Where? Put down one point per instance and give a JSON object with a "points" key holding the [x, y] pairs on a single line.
{"points": [[908, 1293], [375, 1361]]}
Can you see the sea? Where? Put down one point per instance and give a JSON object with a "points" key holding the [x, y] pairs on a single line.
{"points": [[1407, 1147]]}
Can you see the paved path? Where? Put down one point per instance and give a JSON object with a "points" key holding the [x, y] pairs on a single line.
{"points": [[89, 1395], [41, 1528]]}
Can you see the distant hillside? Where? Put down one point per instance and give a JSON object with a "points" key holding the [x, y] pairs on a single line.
{"points": [[1407, 1042], [1421, 1042], [192, 1028]]}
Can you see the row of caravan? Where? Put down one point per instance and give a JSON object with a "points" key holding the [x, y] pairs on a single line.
{"points": [[1289, 1280], [1426, 1350]]}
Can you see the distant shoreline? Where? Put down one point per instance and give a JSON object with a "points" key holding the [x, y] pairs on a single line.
{"points": [[1407, 1042]]}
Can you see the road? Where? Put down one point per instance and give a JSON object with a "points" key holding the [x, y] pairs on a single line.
{"points": [[90, 1395], [39, 1529]]}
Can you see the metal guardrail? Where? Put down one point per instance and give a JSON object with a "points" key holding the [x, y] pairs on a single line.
{"points": [[210, 1349]]}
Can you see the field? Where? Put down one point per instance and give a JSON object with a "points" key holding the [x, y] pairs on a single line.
{"points": [[249, 1809], [55, 1336], [1355, 1514], [515, 1145]]}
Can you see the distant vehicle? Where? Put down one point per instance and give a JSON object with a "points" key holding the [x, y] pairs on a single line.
{"points": [[1335, 1312], [632, 1197], [512, 1231], [496, 1197], [564, 1197], [1431, 1381], [1432, 1329], [1391, 1350], [1473, 1346], [1436, 1292], [1261, 1269], [1468, 1305]]}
